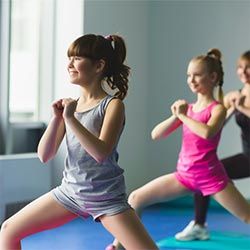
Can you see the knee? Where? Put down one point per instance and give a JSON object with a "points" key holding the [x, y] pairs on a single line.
{"points": [[7, 230], [134, 199], [4, 227], [247, 220]]}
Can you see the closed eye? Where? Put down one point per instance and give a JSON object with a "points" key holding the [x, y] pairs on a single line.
{"points": [[78, 58]]}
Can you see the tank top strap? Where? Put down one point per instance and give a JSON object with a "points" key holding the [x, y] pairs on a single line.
{"points": [[105, 102], [212, 105], [208, 109]]}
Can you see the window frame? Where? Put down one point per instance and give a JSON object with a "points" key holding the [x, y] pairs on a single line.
{"points": [[46, 75], [57, 31], [5, 8]]}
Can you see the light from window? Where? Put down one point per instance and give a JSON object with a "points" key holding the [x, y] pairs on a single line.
{"points": [[24, 60]]}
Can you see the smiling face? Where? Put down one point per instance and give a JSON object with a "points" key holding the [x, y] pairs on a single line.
{"points": [[198, 77], [81, 70], [243, 70]]}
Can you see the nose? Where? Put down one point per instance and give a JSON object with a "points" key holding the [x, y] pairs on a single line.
{"points": [[70, 63], [191, 79]]}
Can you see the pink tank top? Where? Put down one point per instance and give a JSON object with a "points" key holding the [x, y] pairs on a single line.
{"points": [[195, 150]]}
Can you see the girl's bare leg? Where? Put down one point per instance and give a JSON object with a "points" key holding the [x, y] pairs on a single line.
{"points": [[160, 189], [128, 229], [231, 199], [41, 214]]}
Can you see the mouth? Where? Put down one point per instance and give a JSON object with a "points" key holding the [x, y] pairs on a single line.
{"points": [[193, 86], [73, 72]]}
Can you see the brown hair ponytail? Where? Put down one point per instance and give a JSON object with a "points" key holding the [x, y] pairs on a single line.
{"points": [[117, 74], [112, 50]]}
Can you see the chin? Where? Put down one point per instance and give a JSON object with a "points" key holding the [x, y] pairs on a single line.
{"points": [[193, 90], [73, 80]]}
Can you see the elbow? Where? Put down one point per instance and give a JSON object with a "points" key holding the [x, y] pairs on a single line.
{"points": [[45, 155], [43, 159], [102, 155], [207, 135], [100, 159], [154, 135]]}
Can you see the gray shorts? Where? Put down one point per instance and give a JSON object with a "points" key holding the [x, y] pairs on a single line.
{"points": [[95, 209]]}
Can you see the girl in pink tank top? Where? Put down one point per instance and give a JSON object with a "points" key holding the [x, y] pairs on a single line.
{"points": [[198, 167], [196, 150]]}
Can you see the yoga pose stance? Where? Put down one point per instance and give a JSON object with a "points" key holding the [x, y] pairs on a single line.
{"points": [[198, 169], [237, 166], [93, 183]]}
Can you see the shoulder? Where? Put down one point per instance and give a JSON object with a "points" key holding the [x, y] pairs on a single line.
{"points": [[219, 109], [115, 105], [116, 102]]}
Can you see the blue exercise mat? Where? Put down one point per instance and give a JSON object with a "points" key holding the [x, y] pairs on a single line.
{"points": [[218, 240]]}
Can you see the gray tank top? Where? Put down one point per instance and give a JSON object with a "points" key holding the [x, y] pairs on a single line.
{"points": [[83, 177]]}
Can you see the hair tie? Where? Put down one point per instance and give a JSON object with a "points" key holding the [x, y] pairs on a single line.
{"points": [[209, 54], [109, 37], [111, 40]]}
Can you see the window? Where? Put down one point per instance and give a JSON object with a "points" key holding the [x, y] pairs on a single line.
{"points": [[24, 60], [22, 51], [34, 37]]}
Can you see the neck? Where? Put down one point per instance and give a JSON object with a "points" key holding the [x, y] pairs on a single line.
{"points": [[93, 91], [204, 99], [246, 89]]}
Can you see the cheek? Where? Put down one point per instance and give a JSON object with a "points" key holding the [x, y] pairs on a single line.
{"points": [[83, 70], [203, 80], [87, 68], [80, 67], [248, 72], [239, 72]]}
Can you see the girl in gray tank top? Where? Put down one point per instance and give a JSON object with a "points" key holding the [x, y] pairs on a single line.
{"points": [[88, 185], [93, 182]]}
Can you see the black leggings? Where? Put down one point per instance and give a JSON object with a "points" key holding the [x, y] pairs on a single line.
{"points": [[237, 167]]}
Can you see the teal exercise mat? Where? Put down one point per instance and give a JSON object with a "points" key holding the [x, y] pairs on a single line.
{"points": [[218, 240]]}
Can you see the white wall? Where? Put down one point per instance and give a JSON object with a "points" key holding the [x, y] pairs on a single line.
{"points": [[130, 20]]}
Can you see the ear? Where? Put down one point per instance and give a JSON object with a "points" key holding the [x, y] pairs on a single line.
{"points": [[100, 65], [214, 77]]}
